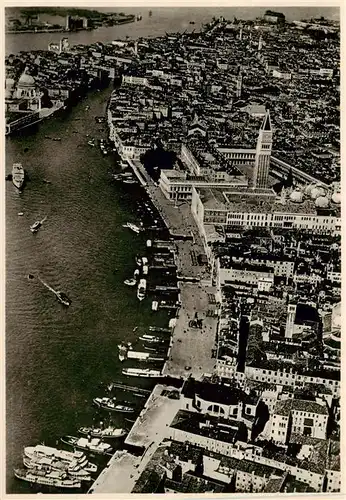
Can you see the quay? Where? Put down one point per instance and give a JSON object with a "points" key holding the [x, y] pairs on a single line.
{"points": [[150, 428], [191, 349]]}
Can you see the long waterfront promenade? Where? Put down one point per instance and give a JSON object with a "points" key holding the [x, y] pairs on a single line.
{"points": [[191, 348]]}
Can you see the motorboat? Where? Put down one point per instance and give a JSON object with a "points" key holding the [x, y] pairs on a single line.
{"points": [[110, 432], [34, 228], [130, 282], [110, 404], [142, 286], [94, 445]]}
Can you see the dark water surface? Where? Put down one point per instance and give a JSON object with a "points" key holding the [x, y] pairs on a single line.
{"points": [[56, 357], [168, 19]]}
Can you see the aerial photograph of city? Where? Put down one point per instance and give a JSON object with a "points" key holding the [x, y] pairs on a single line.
{"points": [[173, 249]]}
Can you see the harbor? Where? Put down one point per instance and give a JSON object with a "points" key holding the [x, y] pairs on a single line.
{"points": [[163, 256], [46, 341]]}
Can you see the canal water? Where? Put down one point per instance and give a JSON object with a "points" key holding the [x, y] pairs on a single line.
{"points": [[168, 19], [56, 357]]}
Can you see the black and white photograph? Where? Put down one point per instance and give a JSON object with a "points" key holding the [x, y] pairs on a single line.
{"points": [[172, 199]]}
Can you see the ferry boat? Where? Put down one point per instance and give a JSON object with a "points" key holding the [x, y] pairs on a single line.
{"points": [[37, 225], [53, 478], [109, 404], [130, 282], [142, 286], [142, 373], [75, 459], [18, 175], [107, 433], [94, 445], [47, 464]]}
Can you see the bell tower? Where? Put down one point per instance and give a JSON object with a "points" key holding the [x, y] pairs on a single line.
{"points": [[263, 153]]}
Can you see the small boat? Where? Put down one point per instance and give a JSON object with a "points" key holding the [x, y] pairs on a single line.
{"points": [[53, 478], [61, 296], [130, 181], [142, 373], [34, 228], [94, 445], [20, 214], [154, 305], [109, 404], [109, 432], [150, 338], [142, 286], [130, 282], [18, 175], [133, 227]]}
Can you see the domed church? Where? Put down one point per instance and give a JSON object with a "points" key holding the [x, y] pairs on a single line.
{"points": [[27, 89]]}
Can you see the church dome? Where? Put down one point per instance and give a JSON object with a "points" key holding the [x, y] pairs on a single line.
{"points": [[322, 202], [26, 81], [336, 198], [296, 196], [317, 192]]}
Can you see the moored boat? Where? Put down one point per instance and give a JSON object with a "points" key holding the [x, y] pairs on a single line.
{"points": [[142, 286], [94, 445], [130, 282], [150, 338], [18, 175], [53, 478], [143, 373], [47, 463], [109, 432], [75, 458], [110, 405], [133, 227]]}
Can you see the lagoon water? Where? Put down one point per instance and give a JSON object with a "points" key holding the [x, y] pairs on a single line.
{"points": [[57, 357]]}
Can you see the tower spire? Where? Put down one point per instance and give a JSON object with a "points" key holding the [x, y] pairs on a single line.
{"points": [[263, 153]]}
